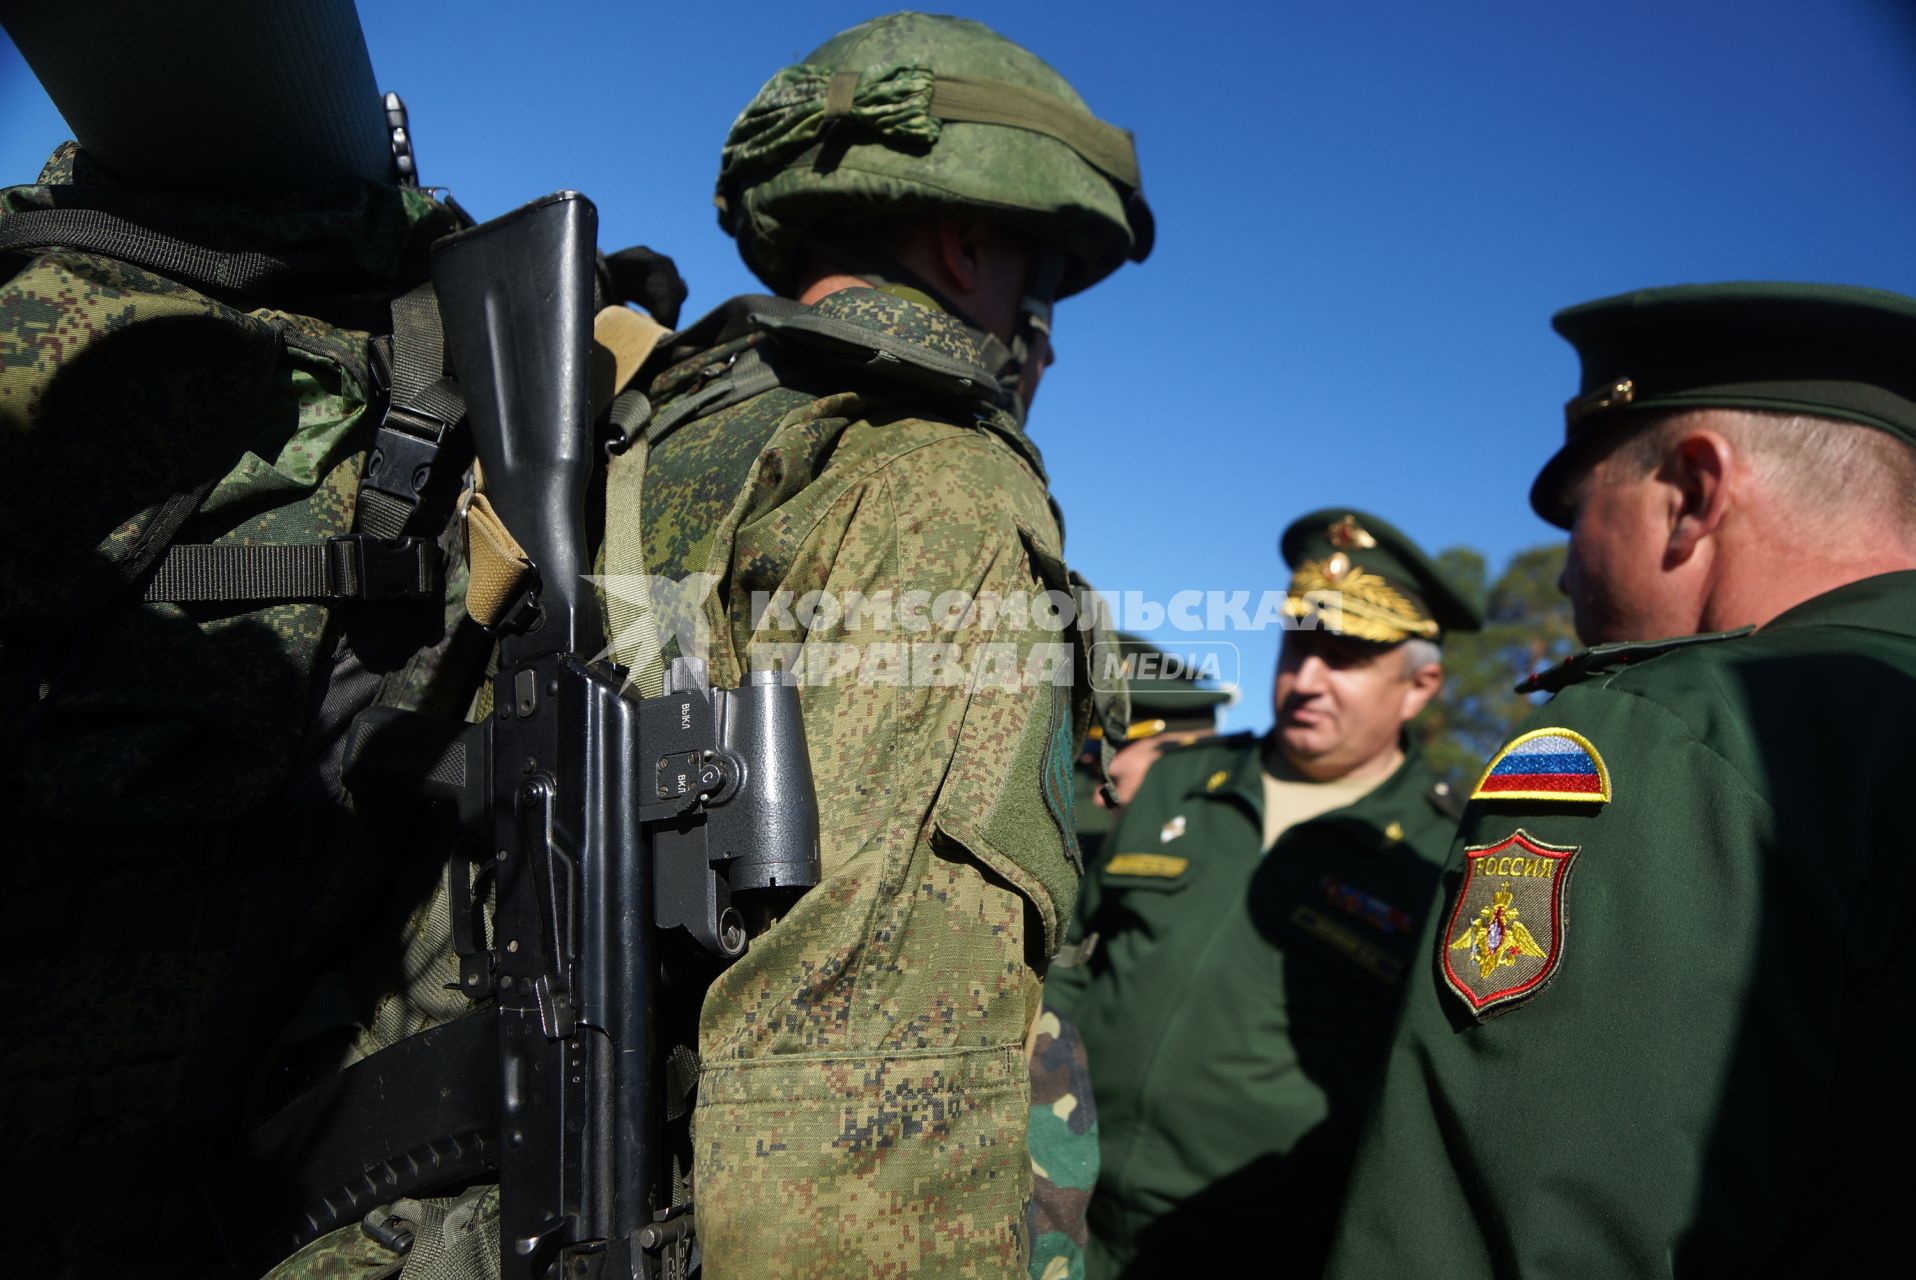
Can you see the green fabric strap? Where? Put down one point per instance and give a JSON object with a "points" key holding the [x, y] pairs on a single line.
{"points": [[632, 627], [972, 100], [456, 1239]]}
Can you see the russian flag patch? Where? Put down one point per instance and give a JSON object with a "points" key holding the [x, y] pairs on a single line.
{"points": [[1546, 764]]}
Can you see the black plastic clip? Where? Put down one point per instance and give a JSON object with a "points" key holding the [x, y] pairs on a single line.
{"points": [[362, 567]]}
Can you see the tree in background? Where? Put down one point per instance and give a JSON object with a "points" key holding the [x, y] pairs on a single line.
{"points": [[1527, 628]]}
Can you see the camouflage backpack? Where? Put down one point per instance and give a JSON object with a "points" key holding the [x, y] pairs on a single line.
{"points": [[229, 529]]}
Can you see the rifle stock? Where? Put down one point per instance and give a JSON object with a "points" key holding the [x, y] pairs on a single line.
{"points": [[616, 830], [516, 297]]}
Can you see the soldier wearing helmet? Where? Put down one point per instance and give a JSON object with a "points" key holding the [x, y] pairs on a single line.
{"points": [[921, 190], [838, 480]]}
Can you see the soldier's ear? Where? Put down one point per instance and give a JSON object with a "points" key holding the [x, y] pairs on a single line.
{"points": [[959, 244], [1423, 684], [1697, 473]]}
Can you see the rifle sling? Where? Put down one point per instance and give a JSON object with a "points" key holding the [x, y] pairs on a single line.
{"points": [[419, 1116]]}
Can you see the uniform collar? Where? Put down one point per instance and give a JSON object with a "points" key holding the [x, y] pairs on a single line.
{"points": [[1243, 781], [1886, 602]]}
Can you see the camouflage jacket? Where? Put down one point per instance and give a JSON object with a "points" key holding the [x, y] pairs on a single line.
{"points": [[865, 519], [870, 532]]}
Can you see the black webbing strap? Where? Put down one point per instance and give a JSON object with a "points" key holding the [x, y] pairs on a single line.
{"points": [[423, 407], [379, 561], [237, 269], [353, 567]]}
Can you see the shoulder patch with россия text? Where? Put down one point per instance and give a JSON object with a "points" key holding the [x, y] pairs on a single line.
{"points": [[1505, 937]]}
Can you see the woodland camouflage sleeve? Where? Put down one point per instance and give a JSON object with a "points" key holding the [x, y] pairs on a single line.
{"points": [[1064, 1148]]}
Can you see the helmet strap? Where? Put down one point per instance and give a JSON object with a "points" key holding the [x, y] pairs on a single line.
{"points": [[1034, 317]]}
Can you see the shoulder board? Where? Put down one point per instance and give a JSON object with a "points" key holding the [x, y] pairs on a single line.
{"points": [[1216, 742], [889, 337], [1610, 657], [1444, 799]]}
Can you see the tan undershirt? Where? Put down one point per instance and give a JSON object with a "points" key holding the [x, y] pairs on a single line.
{"points": [[1291, 798]]}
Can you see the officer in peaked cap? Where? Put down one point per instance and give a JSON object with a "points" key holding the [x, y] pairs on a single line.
{"points": [[1665, 1017], [1170, 706], [1240, 947]]}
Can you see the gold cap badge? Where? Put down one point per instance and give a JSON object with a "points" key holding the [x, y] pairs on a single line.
{"points": [[1349, 535]]}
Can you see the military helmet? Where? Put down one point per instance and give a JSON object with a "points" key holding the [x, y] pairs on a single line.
{"points": [[921, 113]]}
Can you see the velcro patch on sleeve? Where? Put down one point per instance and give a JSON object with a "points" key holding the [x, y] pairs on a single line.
{"points": [[1160, 865], [1546, 764]]}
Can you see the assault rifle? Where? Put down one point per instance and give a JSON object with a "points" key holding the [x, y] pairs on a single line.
{"points": [[616, 833]]}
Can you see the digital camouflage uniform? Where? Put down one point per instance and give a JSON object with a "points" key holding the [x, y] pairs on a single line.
{"points": [[179, 860], [864, 1099], [864, 1062], [1662, 1025]]}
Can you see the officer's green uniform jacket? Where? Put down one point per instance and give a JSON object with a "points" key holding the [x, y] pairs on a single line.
{"points": [[1237, 1003], [1712, 1076]]}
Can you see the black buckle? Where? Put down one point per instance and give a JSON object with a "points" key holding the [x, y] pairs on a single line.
{"points": [[361, 567], [402, 458]]}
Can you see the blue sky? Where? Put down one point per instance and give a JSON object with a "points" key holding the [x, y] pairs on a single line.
{"points": [[1366, 214]]}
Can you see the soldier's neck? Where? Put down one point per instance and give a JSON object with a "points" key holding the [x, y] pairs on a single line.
{"points": [[1752, 589], [826, 285]]}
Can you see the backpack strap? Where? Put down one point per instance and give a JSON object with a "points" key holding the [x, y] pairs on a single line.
{"points": [[384, 558], [423, 409], [233, 268], [353, 567]]}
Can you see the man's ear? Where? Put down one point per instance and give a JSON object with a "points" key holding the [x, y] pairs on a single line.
{"points": [[958, 250], [1424, 684], [1697, 472]]}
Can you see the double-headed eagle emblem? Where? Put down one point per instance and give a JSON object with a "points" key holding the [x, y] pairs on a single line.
{"points": [[1496, 937]]}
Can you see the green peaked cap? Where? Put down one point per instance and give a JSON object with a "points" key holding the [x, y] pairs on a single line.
{"points": [[1166, 696], [1362, 577], [1829, 350]]}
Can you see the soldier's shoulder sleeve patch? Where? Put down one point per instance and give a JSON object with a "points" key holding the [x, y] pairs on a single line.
{"points": [[1504, 940], [1546, 764]]}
